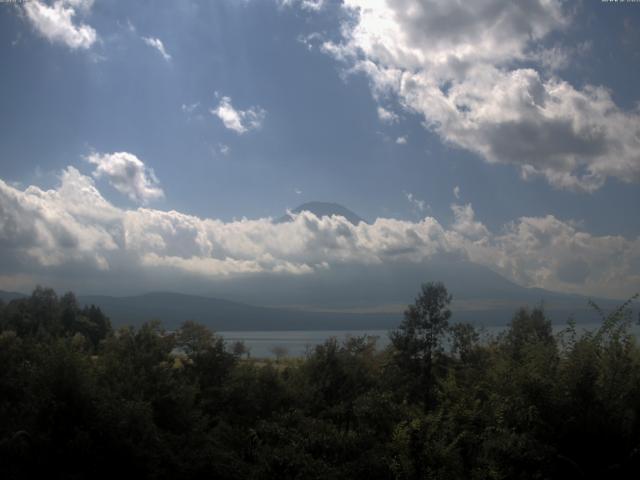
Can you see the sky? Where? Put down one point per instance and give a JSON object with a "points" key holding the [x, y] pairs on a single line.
{"points": [[159, 138]]}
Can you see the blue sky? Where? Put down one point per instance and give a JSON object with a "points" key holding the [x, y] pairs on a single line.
{"points": [[305, 83]]}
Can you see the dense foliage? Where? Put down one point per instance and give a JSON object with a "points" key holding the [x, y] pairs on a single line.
{"points": [[79, 400]]}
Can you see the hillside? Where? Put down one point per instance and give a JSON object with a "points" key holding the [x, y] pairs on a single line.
{"points": [[221, 315]]}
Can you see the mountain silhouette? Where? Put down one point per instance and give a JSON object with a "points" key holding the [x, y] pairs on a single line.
{"points": [[174, 308]]}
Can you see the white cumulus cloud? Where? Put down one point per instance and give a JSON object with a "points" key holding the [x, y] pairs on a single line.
{"points": [[72, 228], [458, 64], [387, 116], [240, 121], [55, 22], [71, 224], [127, 174], [313, 5], [466, 224]]}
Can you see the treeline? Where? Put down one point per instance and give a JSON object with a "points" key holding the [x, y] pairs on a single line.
{"points": [[80, 400]]}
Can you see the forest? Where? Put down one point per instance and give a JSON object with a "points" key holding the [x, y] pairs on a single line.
{"points": [[79, 399]]}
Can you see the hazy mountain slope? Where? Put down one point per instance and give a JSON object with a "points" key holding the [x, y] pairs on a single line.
{"points": [[174, 308], [356, 287], [8, 296], [221, 315]]}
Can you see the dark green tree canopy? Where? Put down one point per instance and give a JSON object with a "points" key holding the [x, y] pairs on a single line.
{"points": [[78, 400], [425, 322], [418, 340]]}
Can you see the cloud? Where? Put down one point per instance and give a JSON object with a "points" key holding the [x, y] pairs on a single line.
{"points": [[73, 228], [401, 140], [312, 40], [73, 224], [130, 26], [461, 66], [224, 149], [456, 192], [387, 116], [158, 45], [240, 121], [547, 252], [420, 205], [313, 5], [127, 174], [466, 224], [559, 57], [55, 22], [189, 108]]}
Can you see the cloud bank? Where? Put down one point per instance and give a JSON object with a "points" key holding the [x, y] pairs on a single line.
{"points": [[73, 227], [484, 80]]}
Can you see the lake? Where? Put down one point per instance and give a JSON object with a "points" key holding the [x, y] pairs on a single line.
{"points": [[297, 342]]}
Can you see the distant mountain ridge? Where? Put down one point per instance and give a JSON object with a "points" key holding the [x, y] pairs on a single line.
{"points": [[324, 209], [172, 309], [224, 315], [8, 296]]}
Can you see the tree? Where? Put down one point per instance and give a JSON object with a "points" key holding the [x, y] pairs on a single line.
{"points": [[528, 328], [240, 349], [194, 339], [464, 341], [280, 352], [418, 339]]}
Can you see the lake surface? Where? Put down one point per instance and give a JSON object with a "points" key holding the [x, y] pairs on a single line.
{"points": [[297, 343]]}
